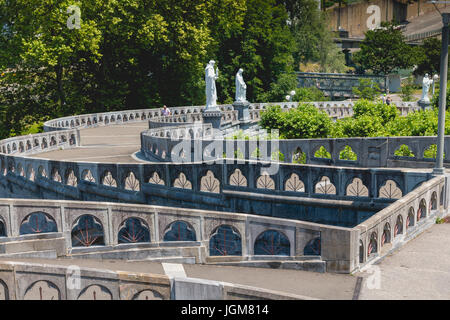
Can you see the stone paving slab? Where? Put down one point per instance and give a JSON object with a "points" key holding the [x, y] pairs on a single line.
{"points": [[109, 144], [418, 270], [311, 284]]}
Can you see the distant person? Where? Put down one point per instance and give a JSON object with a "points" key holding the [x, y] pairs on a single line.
{"points": [[388, 100], [383, 98], [165, 111]]}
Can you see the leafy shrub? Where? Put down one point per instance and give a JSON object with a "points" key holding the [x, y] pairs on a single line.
{"points": [[322, 153], [366, 89], [309, 94], [348, 154]]}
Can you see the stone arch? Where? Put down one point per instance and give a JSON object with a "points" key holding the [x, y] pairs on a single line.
{"points": [[20, 170], [70, 178], [95, 292], [155, 179], [131, 182], [42, 290], [398, 226], [294, 184], [410, 219], [348, 154], [44, 143], [320, 152], [3, 232], [87, 231], [299, 156], [179, 231], [390, 190], [42, 172], [133, 230], [313, 247], [238, 179], [56, 176], [108, 179], [357, 188], [182, 182], [4, 291], [373, 244], [38, 222], [87, 176], [404, 151], [225, 240], [386, 236], [148, 295], [209, 183], [264, 181], [433, 201], [272, 242], [21, 147], [422, 210], [361, 251], [324, 186], [72, 140]]}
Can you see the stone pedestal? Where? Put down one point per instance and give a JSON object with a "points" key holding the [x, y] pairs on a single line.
{"points": [[212, 116], [424, 104], [242, 108]]}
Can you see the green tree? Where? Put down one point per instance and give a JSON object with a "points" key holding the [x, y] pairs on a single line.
{"points": [[384, 50], [366, 89], [313, 37], [429, 57]]}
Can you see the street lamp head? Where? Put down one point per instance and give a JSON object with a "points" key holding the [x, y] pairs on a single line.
{"points": [[288, 97], [292, 93], [435, 77]]}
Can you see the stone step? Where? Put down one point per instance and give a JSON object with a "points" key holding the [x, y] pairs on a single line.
{"points": [[308, 265], [44, 254], [56, 244], [142, 254], [182, 260]]}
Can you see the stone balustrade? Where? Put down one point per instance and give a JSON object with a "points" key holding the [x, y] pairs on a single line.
{"points": [[401, 221]]}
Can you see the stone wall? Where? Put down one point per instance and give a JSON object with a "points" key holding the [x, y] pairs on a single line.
{"points": [[108, 230]]}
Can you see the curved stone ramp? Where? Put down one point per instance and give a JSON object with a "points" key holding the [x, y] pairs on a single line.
{"points": [[106, 144], [124, 281]]}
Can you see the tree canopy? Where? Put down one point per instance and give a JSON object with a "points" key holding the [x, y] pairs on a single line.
{"points": [[384, 50]]}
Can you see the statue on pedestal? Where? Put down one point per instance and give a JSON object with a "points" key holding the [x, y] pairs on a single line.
{"points": [[426, 83], [241, 87], [211, 76]]}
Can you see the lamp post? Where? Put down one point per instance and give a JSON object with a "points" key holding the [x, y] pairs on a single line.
{"points": [[439, 167]]}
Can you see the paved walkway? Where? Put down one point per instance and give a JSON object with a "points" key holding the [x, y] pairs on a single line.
{"points": [[109, 144], [311, 284], [418, 270]]}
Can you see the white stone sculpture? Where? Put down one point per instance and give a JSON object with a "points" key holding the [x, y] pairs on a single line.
{"points": [[241, 87], [425, 88], [211, 76]]}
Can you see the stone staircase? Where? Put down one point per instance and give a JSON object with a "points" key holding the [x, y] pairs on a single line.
{"points": [[49, 246], [171, 254]]}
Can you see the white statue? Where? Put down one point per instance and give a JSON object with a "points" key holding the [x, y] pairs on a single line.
{"points": [[425, 88], [241, 87], [211, 76]]}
